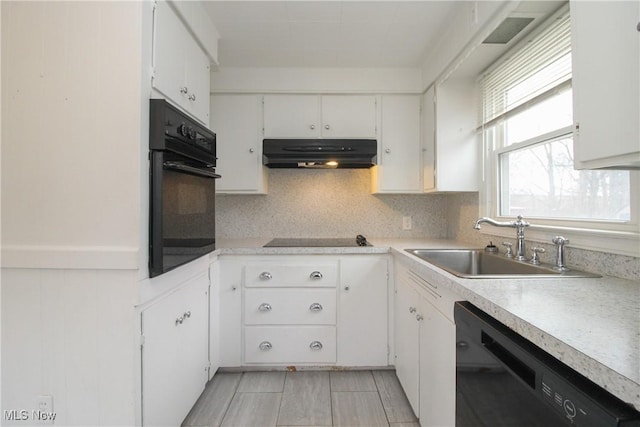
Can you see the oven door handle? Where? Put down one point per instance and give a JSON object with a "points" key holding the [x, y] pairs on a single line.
{"points": [[190, 169]]}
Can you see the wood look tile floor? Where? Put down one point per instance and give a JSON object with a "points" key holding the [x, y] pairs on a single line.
{"points": [[303, 398]]}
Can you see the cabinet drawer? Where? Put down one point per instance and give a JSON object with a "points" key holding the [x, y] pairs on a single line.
{"points": [[290, 344], [290, 306], [272, 274]]}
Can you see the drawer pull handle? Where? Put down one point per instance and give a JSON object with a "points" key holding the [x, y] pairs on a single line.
{"points": [[315, 275], [187, 314], [265, 346], [315, 345], [179, 321], [315, 307], [419, 317], [264, 307], [265, 275], [412, 309]]}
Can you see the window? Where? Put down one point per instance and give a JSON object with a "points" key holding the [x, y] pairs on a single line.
{"points": [[527, 125]]}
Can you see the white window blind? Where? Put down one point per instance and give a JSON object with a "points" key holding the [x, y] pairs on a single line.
{"points": [[541, 65]]}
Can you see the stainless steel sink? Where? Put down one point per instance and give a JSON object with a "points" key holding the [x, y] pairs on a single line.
{"points": [[478, 264]]}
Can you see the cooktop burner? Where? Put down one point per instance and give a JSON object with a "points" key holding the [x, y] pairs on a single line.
{"points": [[317, 242]]}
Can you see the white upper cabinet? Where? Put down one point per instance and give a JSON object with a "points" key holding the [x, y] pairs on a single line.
{"points": [[348, 116], [237, 121], [606, 83], [399, 165], [451, 149], [180, 67], [315, 116]]}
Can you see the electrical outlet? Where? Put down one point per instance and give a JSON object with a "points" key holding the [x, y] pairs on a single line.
{"points": [[406, 223], [45, 409]]}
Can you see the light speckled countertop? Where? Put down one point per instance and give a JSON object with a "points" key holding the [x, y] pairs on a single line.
{"points": [[592, 325]]}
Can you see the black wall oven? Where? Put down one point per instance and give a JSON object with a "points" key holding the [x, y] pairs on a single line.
{"points": [[182, 195]]}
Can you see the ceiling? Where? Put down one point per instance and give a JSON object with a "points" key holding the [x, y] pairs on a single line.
{"points": [[327, 33]]}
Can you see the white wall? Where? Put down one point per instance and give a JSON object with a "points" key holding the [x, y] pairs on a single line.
{"points": [[327, 203], [316, 80], [72, 114], [72, 169]]}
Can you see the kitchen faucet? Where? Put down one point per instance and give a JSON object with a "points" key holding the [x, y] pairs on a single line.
{"points": [[519, 225]]}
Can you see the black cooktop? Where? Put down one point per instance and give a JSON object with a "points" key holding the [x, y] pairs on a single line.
{"points": [[318, 242]]}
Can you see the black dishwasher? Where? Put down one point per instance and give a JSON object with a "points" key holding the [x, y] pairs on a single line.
{"points": [[505, 380]]}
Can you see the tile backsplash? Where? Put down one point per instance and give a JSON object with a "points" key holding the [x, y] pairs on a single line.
{"points": [[328, 203], [339, 203]]}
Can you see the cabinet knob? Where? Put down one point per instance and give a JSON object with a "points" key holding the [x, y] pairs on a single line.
{"points": [[412, 309], [387, 150], [251, 150], [184, 90], [192, 97], [179, 321], [315, 307], [265, 275], [327, 127], [187, 314], [312, 127], [265, 307], [315, 345], [419, 317], [265, 346], [346, 288], [315, 275]]}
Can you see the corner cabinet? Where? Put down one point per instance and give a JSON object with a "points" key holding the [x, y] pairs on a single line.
{"points": [[450, 146], [181, 69], [319, 116], [175, 354], [399, 166], [237, 122], [425, 343], [606, 84]]}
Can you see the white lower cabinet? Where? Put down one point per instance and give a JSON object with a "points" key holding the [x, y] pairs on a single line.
{"points": [[304, 310], [425, 347], [175, 354], [363, 323], [230, 311]]}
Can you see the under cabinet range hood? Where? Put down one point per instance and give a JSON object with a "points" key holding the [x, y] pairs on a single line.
{"points": [[319, 153]]}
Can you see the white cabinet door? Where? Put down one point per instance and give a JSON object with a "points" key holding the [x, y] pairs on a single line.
{"points": [[214, 318], [170, 37], [291, 116], [606, 83], [452, 157], [197, 81], [406, 337], [175, 353], [230, 314], [180, 66], [314, 116], [348, 116], [399, 161], [237, 122], [429, 139], [437, 368], [363, 311]]}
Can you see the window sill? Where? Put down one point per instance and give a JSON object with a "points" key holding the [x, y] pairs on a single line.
{"points": [[614, 242]]}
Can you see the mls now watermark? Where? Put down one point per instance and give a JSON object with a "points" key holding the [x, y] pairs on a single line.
{"points": [[24, 415]]}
